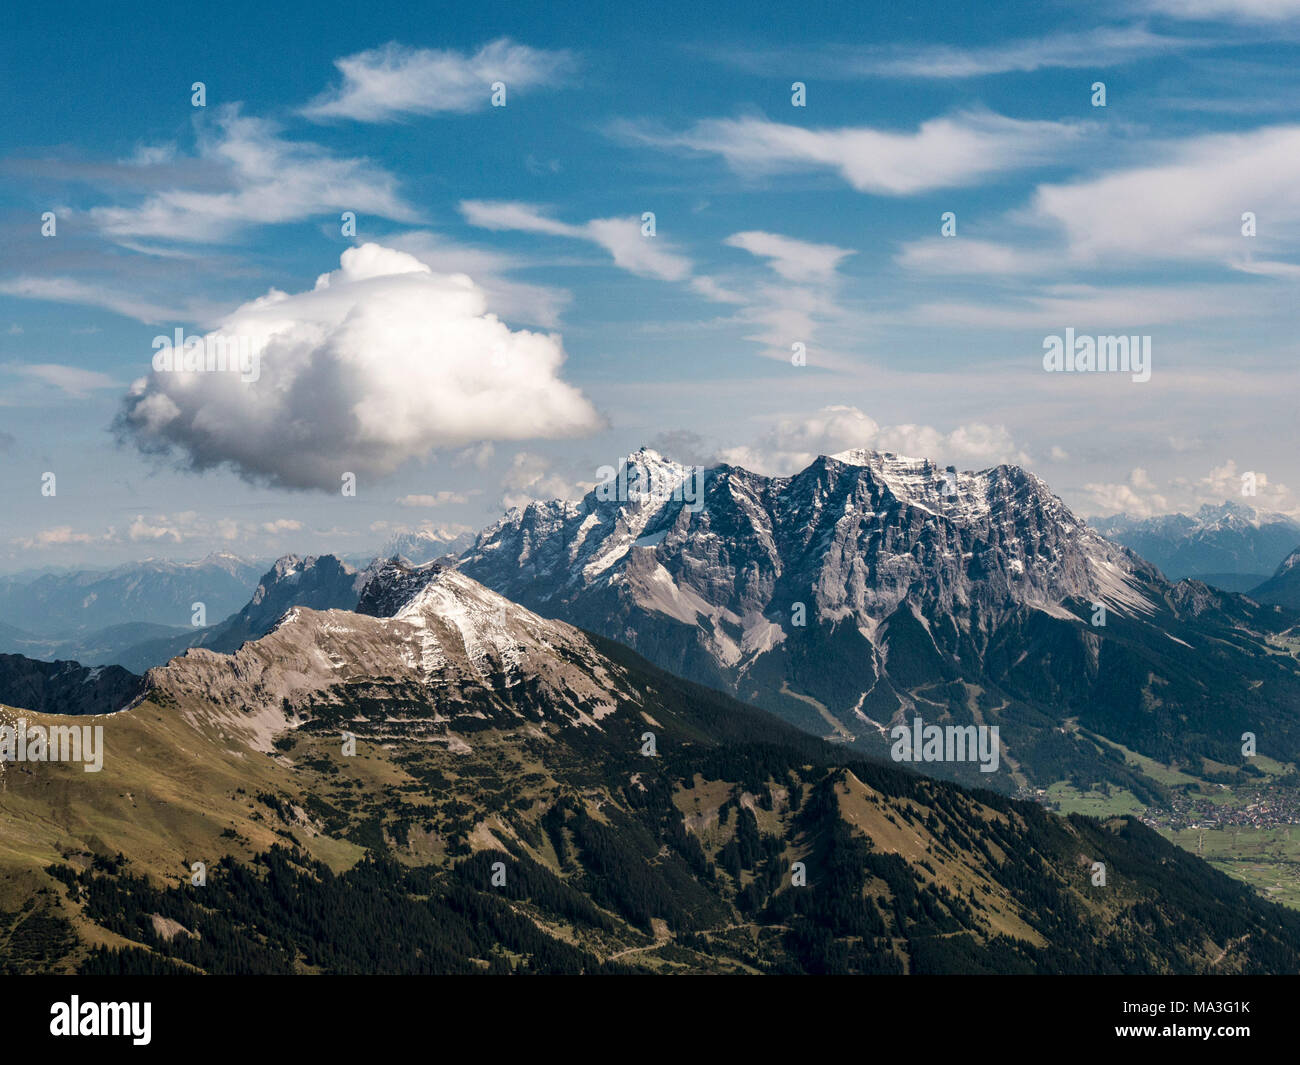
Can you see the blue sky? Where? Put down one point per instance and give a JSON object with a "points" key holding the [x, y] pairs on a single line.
{"points": [[500, 327]]}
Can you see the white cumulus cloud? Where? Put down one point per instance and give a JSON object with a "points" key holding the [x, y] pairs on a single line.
{"points": [[435, 499], [530, 477], [795, 441], [382, 362]]}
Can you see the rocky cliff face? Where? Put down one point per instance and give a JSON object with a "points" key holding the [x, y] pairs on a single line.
{"points": [[870, 587], [850, 541], [320, 582], [853, 535]]}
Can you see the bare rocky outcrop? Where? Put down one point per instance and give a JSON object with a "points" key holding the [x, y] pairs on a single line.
{"points": [[444, 641]]}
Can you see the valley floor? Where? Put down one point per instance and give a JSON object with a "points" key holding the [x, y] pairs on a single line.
{"points": [[1248, 829]]}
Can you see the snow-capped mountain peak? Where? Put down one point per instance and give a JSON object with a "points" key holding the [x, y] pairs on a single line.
{"points": [[864, 587], [856, 536]]}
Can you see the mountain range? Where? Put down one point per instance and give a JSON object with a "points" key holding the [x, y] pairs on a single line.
{"points": [[149, 606], [862, 593], [102, 617], [153, 592], [870, 589], [768, 641], [320, 582], [522, 796], [1232, 546]]}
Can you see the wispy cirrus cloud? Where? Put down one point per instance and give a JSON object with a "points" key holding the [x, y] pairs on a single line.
{"points": [[389, 83], [973, 257], [1257, 11], [1092, 49], [794, 260], [940, 153], [71, 380], [778, 313], [88, 294], [269, 180], [1132, 305], [797, 306], [1187, 205], [622, 238]]}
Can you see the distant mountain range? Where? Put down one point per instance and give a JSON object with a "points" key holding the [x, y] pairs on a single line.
{"points": [[1232, 546], [320, 582], [870, 589], [151, 592], [523, 796], [141, 614], [426, 545], [101, 617]]}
